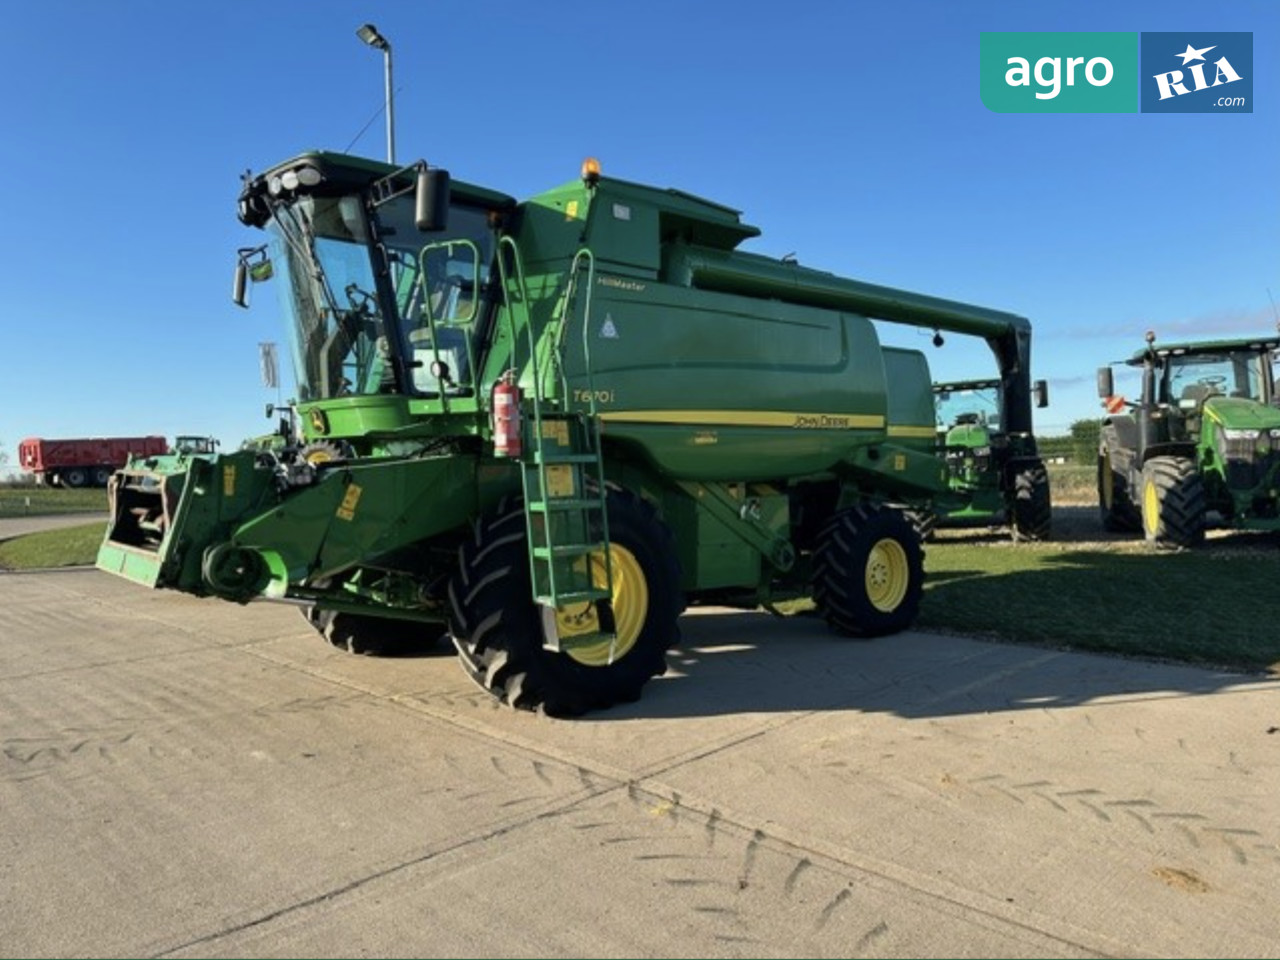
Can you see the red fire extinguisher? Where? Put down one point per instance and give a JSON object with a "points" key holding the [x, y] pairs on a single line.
{"points": [[506, 416]]}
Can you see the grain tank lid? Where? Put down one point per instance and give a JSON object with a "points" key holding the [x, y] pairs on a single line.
{"points": [[684, 216]]}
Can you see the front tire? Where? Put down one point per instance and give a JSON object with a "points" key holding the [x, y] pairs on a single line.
{"points": [[1173, 502], [868, 572], [1115, 503], [495, 623], [1031, 510]]}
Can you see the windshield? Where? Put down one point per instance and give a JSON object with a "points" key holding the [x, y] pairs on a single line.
{"points": [[1193, 378], [968, 406], [344, 336]]}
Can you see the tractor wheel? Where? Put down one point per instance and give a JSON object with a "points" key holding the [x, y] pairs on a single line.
{"points": [[371, 636], [923, 520], [1173, 502], [75, 477], [868, 572], [1031, 512], [495, 623], [1115, 504]]}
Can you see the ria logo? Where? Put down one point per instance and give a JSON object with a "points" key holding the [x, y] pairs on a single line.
{"points": [[1197, 73], [1171, 83]]}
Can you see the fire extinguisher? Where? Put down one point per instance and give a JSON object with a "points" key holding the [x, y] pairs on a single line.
{"points": [[506, 416]]}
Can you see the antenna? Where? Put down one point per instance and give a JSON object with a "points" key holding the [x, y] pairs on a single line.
{"points": [[1274, 311]]}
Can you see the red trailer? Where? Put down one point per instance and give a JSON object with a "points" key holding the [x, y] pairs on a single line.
{"points": [[83, 463]]}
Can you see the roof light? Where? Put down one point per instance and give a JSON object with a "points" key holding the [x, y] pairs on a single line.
{"points": [[591, 170]]}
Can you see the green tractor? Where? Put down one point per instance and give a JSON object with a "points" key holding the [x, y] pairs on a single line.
{"points": [[1203, 438], [995, 474], [543, 427]]}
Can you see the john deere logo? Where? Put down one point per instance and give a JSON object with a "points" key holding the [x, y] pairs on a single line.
{"points": [[1197, 73]]}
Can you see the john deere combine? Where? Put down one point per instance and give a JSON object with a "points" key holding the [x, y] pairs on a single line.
{"points": [[1202, 438], [543, 426]]}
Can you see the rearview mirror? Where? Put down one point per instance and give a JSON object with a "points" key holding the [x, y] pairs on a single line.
{"points": [[1106, 384], [431, 200], [1040, 393], [240, 288]]}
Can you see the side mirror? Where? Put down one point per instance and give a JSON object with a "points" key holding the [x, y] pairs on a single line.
{"points": [[1040, 393], [431, 200], [240, 288], [1106, 383], [271, 408], [252, 265]]}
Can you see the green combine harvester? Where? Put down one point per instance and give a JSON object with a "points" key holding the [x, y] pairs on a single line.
{"points": [[544, 426], [1202, 439], [994, 476]]}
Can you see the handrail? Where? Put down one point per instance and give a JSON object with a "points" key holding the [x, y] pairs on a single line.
{"points": [[431, 320]]}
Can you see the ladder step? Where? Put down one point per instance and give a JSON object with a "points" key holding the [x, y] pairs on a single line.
{"points": [[540, 456], [559, 504], [566, 550], [576, 596]]}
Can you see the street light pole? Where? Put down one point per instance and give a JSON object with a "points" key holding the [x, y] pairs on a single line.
{"points": [[370, 35]]}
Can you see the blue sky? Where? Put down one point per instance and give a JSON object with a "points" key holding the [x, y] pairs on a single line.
{"points": [[852, 133]]}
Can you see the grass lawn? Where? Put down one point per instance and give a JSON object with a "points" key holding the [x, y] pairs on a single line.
{"points": [[43, 501], [68, 547], [1213, 606]]}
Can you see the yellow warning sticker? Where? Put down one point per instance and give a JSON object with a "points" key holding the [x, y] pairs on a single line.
{"points": [[899, 461], [229, 480], [347, 509], [560, 480], [571, 210], [557, 430]]}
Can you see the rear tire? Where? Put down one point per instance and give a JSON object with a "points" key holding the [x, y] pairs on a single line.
{"points": [[1031, 511], [101, 476], [1173, 502], [868, 572], [495, 623], [1115, 502], [369, 636], [75, 477]]}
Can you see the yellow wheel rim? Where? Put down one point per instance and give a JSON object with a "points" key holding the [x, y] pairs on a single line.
{"points": [[888, 575], [1108, 482], [1151, 508], [630, 598]]}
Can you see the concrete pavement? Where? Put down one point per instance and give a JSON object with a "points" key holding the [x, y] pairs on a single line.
{"points": [[182, 777]]}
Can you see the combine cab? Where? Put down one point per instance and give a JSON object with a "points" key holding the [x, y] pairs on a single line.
{"points": [[544, 426], [1201, 442]]}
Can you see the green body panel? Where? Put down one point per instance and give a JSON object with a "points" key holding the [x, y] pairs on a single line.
{"points": [[359, 512], [969, 435], [1239, 414], [741, 395]]}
